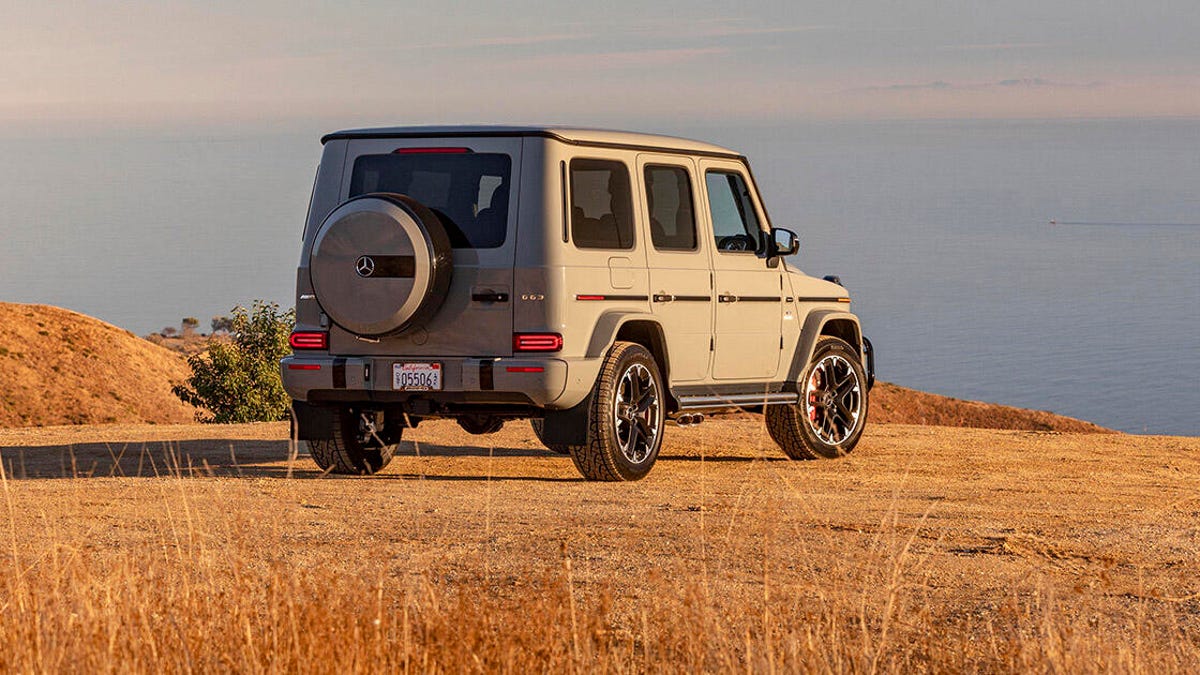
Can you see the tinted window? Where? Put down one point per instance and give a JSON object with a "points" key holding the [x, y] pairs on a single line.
{"points": [[669, 201], [601, 204], [735, 224], [467, 191]]}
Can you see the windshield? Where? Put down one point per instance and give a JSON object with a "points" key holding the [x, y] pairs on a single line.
{"points": [[468, 191]]}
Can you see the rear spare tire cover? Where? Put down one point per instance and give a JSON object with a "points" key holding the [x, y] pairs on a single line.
{"points": [[380, 263]]}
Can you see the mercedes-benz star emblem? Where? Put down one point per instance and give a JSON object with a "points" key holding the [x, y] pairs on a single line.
{"points": [[364, 266]]}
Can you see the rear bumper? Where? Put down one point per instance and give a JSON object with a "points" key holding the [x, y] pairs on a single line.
{"points": [[534, 381]]}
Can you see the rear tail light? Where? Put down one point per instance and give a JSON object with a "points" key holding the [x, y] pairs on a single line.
{"points": [[309, 340], [537, 342]]}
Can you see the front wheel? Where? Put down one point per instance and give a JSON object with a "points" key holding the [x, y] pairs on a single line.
{"points": [[832, 411], [360, 445], [626, 417]]}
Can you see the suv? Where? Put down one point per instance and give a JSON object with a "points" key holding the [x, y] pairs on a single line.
{"points": [[598, 283]]}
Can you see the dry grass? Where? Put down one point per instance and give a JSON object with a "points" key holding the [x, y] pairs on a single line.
{"points": [[929, 549]]}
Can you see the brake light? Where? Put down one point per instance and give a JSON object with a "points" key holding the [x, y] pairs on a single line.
{"points": [[537, 342], [430, 151], [309, 340]]}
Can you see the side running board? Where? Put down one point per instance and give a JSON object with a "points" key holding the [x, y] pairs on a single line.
{"points": [[717, 401]]}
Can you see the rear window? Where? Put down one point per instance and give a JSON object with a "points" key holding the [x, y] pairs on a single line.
{"points": [[467, 191], [601, 204], [669, 201]]}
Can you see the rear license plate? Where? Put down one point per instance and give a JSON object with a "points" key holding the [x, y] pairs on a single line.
{"points": [[417, 376]]}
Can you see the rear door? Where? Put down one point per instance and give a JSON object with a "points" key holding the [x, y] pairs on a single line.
{"points": [[749, 307], [677, 258], [472, 185]]}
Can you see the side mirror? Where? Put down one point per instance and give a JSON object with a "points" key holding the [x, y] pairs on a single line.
{"points": [[783, 242]]}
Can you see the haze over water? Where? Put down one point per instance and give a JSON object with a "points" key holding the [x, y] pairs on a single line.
{"points": [[941, 231]]}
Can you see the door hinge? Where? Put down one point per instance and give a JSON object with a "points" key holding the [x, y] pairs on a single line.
{"points": [[710, 344]]}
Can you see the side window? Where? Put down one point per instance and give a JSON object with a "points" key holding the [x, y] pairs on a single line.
{"points": [[601, 204], [735, 224], [669, 201]]}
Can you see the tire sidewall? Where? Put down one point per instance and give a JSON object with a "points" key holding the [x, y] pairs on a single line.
{"points": [[630, 356], [345, 454]]}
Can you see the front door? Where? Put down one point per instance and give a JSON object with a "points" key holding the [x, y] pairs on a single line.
{"points": [[749, 293]]}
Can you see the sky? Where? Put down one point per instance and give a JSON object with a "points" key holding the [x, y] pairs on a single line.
{"points": [[219, 62]]}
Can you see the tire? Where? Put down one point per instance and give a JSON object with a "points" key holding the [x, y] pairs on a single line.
{"points": [[381, 264], [624, 435], [832, 412], [352, 451], [539, 426]]}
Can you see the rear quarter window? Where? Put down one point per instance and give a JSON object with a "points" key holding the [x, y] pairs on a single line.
{"points": [[601, 204]]}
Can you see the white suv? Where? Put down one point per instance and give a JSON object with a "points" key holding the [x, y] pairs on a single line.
{"points": [[599, 283]]}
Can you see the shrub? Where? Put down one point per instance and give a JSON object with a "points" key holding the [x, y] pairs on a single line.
{"points": [[238, 381]]}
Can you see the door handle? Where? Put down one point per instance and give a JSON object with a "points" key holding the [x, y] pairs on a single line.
{"points": [[664, 297], [725, 297], [489, 296]]}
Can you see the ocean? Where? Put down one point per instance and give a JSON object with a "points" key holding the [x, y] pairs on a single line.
{"points": [[941, 230]]}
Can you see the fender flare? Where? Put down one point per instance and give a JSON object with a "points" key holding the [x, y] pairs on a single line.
{"points": [[814, 327], [609, 325]]}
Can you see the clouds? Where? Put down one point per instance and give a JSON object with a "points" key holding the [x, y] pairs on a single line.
{"points": [[1011, 83], [992, 47], [381, 61]]}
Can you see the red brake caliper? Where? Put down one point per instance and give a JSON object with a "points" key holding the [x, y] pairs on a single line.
{"points": [[812, 398]]}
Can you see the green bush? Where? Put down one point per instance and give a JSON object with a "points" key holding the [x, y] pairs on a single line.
{"points": [[239, 381]]}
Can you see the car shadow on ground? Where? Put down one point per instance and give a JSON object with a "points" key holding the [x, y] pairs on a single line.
{"points": [[259, 459], [216, 458]]}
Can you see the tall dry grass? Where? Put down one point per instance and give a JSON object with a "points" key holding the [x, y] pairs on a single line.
{"points": [[211, 586]]}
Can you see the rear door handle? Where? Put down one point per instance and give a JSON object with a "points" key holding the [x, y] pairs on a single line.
{"points": [[489, 296], [664, 297], [724, 297]]}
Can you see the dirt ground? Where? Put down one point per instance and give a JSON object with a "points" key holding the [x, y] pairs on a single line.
{"points": [[980, 530]]}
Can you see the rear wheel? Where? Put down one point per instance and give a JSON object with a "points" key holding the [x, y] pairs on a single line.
{"points": [[626, 417], [832, 412], [359, 445], [539, 430]]}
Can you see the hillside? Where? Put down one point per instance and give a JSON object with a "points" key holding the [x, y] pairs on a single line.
{"points": [[891, 404], [61, 367]]}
